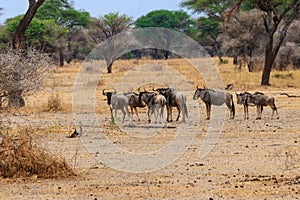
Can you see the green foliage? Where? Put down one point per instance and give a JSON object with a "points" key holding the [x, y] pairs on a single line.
{"points": [[210, 8], [39, 34], [175, 20], [109, 25], [64, 14], [208, 27]]}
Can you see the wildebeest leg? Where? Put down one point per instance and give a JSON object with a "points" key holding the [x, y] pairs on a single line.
{"points": [[230, 108], [258, 111], [150, 110], [179, 111], [155, 110], [208, 108], [112, 115], [274, 109], [170, 114], [161, 113], [124, 114], [246, 112], [137, 114], [127, 112], [131, 109]]}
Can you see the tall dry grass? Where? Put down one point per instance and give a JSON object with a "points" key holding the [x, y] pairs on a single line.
{"points": [[21, 157], [60, 82]]}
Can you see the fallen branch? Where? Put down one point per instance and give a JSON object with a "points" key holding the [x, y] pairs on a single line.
{"points": [[288, 95]]}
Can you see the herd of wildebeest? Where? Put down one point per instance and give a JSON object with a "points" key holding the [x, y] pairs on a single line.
{"points": [[157, 99]]}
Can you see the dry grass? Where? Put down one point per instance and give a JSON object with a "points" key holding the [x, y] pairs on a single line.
{"points": [[20, 157], [61, 80], [244, 80]]}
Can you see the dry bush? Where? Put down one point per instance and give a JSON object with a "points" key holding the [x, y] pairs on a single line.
{"points": [[54, 103], [22, 72], [20, 157]]}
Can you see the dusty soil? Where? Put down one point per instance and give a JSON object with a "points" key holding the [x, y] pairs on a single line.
{"points": [[252, 159]]}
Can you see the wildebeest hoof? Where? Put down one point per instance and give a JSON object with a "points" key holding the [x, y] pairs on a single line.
{"points": [[258, 118], [207, 118]]}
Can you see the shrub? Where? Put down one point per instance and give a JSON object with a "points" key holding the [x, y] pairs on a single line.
{"points": [[20, 157], [54, 103]]}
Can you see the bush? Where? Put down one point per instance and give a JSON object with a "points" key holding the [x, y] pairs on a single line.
{"points": [[54, 103], [20, 157]]}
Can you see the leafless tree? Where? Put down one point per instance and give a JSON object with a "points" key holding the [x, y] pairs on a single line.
{"points": [[22, 73], [103, 29]]}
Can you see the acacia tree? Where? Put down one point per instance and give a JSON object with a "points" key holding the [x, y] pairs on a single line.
{"points": [[64, 14], [175, 20], [211, 17], [244, 37], [278, 16], [289, 53], [104, 28], [25, 22]]}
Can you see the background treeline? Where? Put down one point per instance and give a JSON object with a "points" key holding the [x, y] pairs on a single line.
{"points": [[69, 34]]}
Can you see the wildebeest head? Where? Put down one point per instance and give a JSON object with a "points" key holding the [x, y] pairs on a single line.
{"points": [[240, 98], [108, 95], [147, 97], [243, 98], [198, 93], [167, 92]]}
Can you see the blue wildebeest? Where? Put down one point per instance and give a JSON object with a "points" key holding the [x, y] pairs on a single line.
{"points": [[155, 103], [117, 102], [133, 100], [174, 99], [242, 99], [260, 100], [217, 98]]}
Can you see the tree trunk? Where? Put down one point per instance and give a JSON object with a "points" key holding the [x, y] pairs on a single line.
{"points": [[15, 99], [109, 67], [235, 59], [25, 22], [272, 20], [61, 57], [265, 80], [217, 51]]}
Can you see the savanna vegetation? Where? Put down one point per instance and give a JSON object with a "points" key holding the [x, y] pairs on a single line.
{"points": [[43, 48]]}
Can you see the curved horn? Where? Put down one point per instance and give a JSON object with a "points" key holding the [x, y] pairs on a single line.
{"points": [[104, 93], [197, 87]]}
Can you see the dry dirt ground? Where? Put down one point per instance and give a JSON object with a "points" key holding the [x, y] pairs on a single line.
{"points": [[252, 159]]}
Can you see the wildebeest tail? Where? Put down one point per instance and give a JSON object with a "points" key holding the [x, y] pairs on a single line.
{"points": [[275, 108], [185, 109], [232, 106]]}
